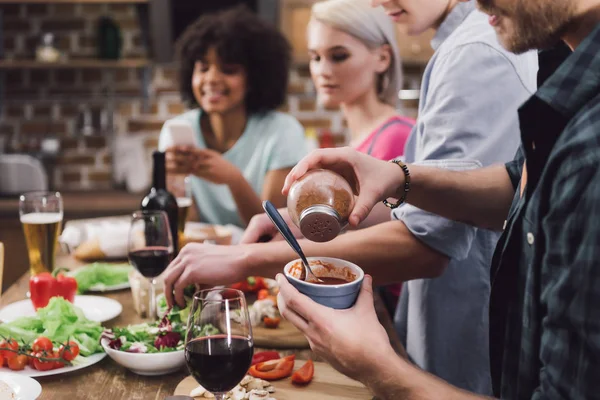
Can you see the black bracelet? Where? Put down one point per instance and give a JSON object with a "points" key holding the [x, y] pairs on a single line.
{"points": [[406, 185]]}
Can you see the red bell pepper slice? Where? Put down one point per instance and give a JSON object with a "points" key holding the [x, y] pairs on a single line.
{"points": [[274, 369], [305, 374], [264, 356], [271, 323], [250, 285]]}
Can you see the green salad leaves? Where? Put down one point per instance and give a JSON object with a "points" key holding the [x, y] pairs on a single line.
{"points": [[59, 321], [100, 275]]}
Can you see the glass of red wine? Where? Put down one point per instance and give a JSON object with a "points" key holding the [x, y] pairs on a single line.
{"points": [[150, 248], [219, 344]]}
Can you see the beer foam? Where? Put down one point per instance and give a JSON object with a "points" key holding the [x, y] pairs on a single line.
{"points": [[184, 202], [41, 218]]}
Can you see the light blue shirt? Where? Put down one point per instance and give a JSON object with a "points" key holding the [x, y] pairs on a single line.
{"points": [[270, 141], [470, 93]]}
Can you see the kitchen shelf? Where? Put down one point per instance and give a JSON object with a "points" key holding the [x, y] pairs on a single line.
{"points": [[73, 1], [74, 64]]}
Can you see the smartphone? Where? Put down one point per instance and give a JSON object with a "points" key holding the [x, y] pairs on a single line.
{"points": [[181, 134]]}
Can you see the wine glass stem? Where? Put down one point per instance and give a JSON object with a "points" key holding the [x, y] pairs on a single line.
{"points": [[219, 396], [152, 306]]}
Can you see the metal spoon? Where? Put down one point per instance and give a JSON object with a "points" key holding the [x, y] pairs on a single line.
{"points": [[287, 234]]}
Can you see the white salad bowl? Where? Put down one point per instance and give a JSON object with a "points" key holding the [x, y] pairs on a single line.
{"points": [[146, 363]]}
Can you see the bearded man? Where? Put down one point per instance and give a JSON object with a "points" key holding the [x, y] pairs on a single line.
{"points": [[545, 296]]}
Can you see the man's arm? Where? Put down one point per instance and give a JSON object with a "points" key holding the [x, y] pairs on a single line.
{"points": [[389, 252], [480, 197], [394, 378]]}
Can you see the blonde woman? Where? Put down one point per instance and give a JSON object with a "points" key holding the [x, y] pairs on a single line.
{"points": [[354, 64]]}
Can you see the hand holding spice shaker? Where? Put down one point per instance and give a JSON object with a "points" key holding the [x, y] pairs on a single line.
{"points": [[320, 203]]}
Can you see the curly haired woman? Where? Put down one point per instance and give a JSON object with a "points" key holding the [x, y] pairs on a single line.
{"points": [[234, 74]]}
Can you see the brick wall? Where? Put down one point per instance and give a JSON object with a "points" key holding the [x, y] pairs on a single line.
{"points": [[49, 102]]}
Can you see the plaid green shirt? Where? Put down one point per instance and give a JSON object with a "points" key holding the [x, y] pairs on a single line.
{"points": [[545, 301]]}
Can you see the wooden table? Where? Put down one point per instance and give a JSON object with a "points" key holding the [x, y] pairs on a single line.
{"points": [[108, 380]]}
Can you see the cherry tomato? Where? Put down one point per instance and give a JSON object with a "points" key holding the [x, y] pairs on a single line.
{"points": [[18, 363], [69, 351], [1, 360], [41, 365], [9, 345], [57, 363], [30, 359], [41, 344]]}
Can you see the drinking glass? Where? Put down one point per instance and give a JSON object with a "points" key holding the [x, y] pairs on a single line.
{"points": [[181, 187], [150, 248], [219, 344], [41, 215]]}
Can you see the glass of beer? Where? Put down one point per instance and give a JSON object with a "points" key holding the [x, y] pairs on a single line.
{"points": [[181, 188], [41, 216]]}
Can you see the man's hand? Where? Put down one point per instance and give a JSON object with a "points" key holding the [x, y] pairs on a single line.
{"points": [[351, 340], [204, 264], [261, 226], [372, 180]]}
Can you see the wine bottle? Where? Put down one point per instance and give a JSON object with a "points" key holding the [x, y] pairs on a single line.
{"points": [[159, 199]]}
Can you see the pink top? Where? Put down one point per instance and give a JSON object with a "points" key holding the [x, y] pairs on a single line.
{"points": [[387, 141]]}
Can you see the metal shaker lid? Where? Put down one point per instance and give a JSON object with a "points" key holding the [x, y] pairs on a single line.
{"points": [[320, 223]]}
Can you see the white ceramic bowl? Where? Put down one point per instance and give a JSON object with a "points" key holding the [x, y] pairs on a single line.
{"points": [[147, 364]]}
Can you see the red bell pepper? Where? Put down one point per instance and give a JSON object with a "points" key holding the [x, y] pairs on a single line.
{"points": [[304, 374], [264, 356], [250, 285], [274, 369], [44, 286]]}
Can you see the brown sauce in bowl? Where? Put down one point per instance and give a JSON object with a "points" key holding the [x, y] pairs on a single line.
{"points": [[331, 281]]}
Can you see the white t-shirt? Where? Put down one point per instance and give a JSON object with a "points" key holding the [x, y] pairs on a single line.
{"points": [[270, 141]]}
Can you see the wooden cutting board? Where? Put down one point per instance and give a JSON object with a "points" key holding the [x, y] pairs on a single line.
{"points": [[286, 336], [327, 384]]}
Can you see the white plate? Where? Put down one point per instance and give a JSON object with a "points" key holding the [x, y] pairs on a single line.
{"points": [[24, 387], [78, 363], [95, 308], [113, 288]]}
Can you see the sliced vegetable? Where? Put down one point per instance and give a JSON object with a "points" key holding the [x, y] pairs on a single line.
{"points": [[274, 369], [262, 294], [305, 374], [264, 356], [271, 323], [250, 285]]}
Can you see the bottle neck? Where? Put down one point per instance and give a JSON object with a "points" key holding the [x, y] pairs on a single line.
{"points": [[159, 173]]}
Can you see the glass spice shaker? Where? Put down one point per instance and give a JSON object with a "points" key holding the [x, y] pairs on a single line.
{"points": [[320, 203]]}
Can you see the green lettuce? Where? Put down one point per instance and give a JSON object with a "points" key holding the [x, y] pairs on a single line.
{"points": [[100, 274], [59, 321]]}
